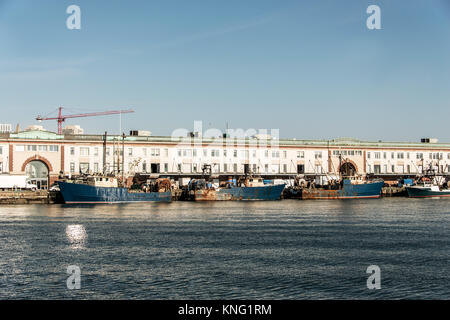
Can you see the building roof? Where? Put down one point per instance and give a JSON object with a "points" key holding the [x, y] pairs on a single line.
{"points": [[334, 143]]}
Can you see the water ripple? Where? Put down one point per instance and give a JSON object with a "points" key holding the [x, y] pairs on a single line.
{"points": [[227, 250]]}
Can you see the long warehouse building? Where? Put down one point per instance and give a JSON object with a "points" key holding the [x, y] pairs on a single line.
{"points": [[44, 155]]}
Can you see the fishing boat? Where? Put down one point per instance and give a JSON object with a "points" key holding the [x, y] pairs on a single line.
{"points": [[427, 191], [248, 189], [102, 189], [346, 189], [347, 185], [428, 185]]}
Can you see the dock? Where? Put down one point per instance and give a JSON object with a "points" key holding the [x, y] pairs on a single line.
{"points": [[27, 197]]}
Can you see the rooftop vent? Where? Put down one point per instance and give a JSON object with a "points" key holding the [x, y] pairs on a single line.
{"points": [[194, 134], [5, 127], [429, 140], [140, 133]]}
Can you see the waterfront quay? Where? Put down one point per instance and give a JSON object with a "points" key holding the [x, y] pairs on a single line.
{"points": [[27, 197], [44, 156]]}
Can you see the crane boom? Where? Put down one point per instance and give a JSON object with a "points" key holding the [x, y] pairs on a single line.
{"points": [[61, 118]]}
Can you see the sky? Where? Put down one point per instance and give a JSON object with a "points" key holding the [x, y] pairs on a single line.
{"points": [[311, 68]]}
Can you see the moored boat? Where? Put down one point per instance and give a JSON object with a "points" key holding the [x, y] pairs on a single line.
{"points": [[98, 189], [427, 191], [250, 189], [347, 189], [428, 185]]}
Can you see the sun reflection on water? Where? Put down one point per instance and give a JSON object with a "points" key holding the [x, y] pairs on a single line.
{"points": [[76, 234]]}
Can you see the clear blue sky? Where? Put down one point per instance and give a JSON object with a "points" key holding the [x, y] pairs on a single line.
{"points": [[309, 68]]}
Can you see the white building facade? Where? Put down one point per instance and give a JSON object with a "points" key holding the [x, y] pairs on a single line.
{"points": [[24, 152]]}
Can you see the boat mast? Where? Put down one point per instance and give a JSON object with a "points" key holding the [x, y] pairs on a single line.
{"points": [[123, 157], [104, 153]]}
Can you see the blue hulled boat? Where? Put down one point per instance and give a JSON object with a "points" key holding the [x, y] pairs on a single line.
{"points": [[250, 189], [106, 190], [348, 190]]}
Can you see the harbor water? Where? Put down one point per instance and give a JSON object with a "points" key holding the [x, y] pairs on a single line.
{"points": [[286, 249]]}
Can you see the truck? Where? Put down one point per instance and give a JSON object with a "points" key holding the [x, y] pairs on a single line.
{"points": [[12, 182]]}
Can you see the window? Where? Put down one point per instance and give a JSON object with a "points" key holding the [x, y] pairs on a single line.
{"points": [[179, 152], [72, 167], [393, 169], [266, 153], [376, 168], [368, 156], [224, 152], [300, 154], [179, 167], [1, 150], [284, 154], [20, 148], [275, 154], [32, 148], [384, 155], [419, 156], [155, 152], [166, 152], [266, 168], [72, 151], [43, 148], [130, 151], [225, 167], [1, 167], [392, 155], [53, 148], [84, 151], [235, 154], [95, 153], [400, 155], [285, 168], [84, 167], [194, 152], [95, 167], [235, 168], [166, 167], [317, 154], [377, 155], [214, 153], [144, 165], [194, 167], [108, 151]]}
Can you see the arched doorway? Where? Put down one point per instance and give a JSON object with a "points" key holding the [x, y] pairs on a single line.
{"points": [[347, 169], [37, 172]]}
